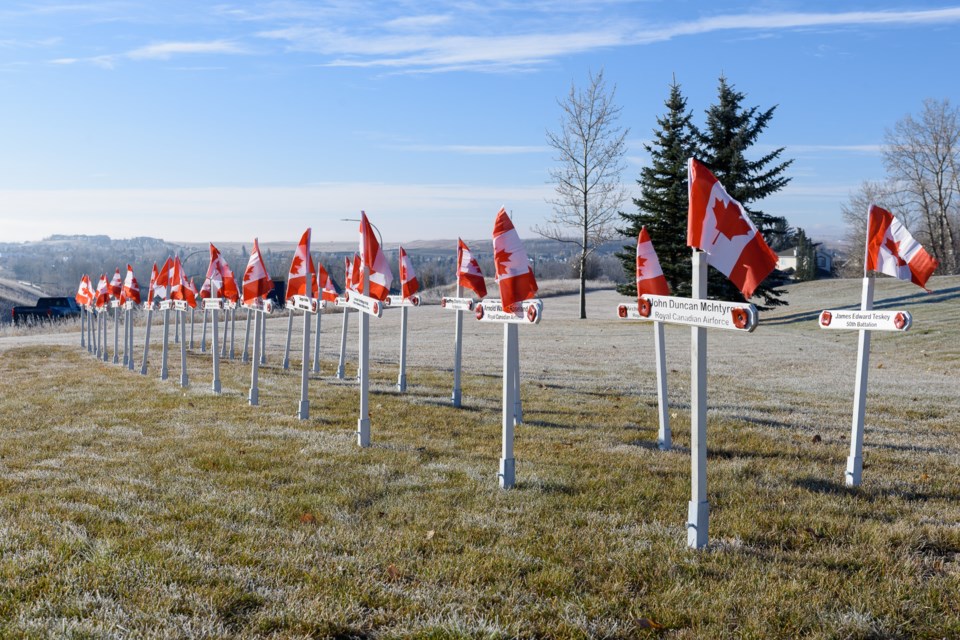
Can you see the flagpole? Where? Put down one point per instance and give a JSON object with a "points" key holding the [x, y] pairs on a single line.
{"points": [[184, 380], [457, 351], [146, 341], [193, 323], [402, 378], [263, 338], [83, 327], [233, 331], [854, 471], [515, 374], [226, 329], [507, 461], [698, 511], [363, 423], [316, 344], [130, 323], [343, 343], [215, 347], [246, 340], [254, 396], [304, 410], [164, 358], [116, 335], [203, 333], [664, 439], [286, 349]]}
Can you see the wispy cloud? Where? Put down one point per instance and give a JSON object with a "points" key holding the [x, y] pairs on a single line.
{"points": [[166, 50], [445, 42], [472, 149], [160, 51]]}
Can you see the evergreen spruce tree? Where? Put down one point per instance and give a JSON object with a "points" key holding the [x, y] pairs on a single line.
{"points": [[662, 205], [731, 130]]}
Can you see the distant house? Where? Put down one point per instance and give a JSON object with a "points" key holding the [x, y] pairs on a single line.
{"points": [[787, 261]]}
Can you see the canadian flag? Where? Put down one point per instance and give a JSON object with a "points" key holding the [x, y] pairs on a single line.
{"points": [[85, 292], [408, 277], [300, 277], [372, 256], [893, 251], [256, 281], [718, 225], [649, 275], [514, 274], [103, 291], [355, 274], [116, 284], [192, 286], [325, 285], [220, 277], [131, 288], [180, 289], [468, 270], [160, 280]]}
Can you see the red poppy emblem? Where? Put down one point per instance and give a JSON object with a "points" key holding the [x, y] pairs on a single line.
{"points": [[622, 311], [900, 321], [532, 313], [644, 307], [825, 318], [740, 318], [479, 312]]}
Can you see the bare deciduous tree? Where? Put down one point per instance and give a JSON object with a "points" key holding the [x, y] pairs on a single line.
{"points": [[590, 146], [922, 157]]}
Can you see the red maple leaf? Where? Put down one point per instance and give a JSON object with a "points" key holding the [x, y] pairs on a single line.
{"points": [[296, 264], [503, 259], [641, 263], [248, 274], [894, 248], [729, 221]]}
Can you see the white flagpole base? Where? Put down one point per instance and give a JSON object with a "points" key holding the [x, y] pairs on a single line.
{"points": [[854, 474], [303, 412], [363, 432], [698, 521], [402, 383], [508, 473]]}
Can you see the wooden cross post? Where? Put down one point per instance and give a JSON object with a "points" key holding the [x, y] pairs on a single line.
{"points": [[459, 304], [404, 304], [664, 437], [699, 313], [181, 307], [203, 332], [865, 321], [316, 343], [259, 308], [286, 349], [527, 312], [213, 305], [128, 347], [164, 357], [342, 300], [308, 306], [116, 330], [146, 340]]}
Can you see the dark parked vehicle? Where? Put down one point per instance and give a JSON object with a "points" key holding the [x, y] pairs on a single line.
{"points": [[47, 309]]}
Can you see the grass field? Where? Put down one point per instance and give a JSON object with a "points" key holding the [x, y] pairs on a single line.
{"points": [[132, 508]]}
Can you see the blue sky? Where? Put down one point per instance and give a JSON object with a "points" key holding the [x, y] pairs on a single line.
{"points": [[194, 120]]}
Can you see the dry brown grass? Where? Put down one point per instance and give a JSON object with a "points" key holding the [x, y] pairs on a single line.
{"points": [[132, 508]]}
